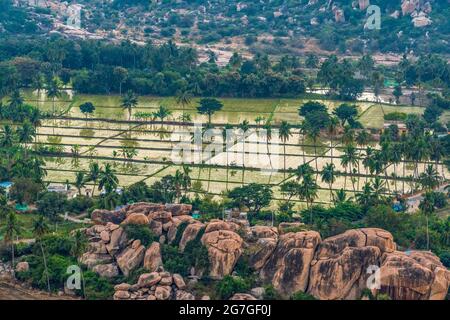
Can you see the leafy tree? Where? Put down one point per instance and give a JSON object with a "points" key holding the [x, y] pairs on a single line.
{"points": [[346, 112], [209, 106], [253, 196], [87, 109], [51, 205]]}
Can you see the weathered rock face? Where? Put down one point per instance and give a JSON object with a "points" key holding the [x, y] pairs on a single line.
{"points": [[118, 240], [131, 258], [224, 249], [288, 266], [178, 209], [339, 268], [189, 234], [261, 242], [22, 267], [416, 275], [106, 270], [136, 218], [105, 216], [154, 286], [242, 296], [152, 258]]}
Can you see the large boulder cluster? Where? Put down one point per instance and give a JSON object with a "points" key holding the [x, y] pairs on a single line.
{"points": [[289, 257], [154, 286]]}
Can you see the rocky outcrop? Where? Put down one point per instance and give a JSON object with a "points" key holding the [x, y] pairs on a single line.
{"points": [[106, 270], [131, 258], [339, 268], [104, 216], [136, 218], [414, 275], [22, 267], [288, 266], [152, 258], [261, 242], [154, 286], [189, 234], [224, 249], [242, 296]]}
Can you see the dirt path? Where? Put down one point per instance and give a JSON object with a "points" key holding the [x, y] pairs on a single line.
{"points": [[10, 291]]}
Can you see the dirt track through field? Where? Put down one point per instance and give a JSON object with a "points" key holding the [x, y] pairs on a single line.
{"points": [[11, 292]]}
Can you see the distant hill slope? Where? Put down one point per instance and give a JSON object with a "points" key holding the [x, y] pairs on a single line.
{"points": [[276, 26]]}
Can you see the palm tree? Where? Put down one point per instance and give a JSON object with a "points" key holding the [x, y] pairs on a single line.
{"points": [[349, 159], [184, 98], [38, 83], [329, 176], [303, 130], [10, 230], [244, 126], [313, 132], [93, 175], [7, 137], [108, 179], [178, 184], [284, 135], [78, 247], [368, 161], [186, 180], [227, 140], [395, 154], [16, 99], [79, 181], [303, 170], [25, 133], [268, 129], [340, 196], [53, 91], [332, 127], [162, 113], [40, 229], [430, 178], [308, 192], [427, 207], [378, 189], [129, 101], [365, 197]]}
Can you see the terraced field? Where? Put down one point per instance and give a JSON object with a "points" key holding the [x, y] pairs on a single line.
{"points": [[157, 147]]}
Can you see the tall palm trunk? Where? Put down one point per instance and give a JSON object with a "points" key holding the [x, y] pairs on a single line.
{"points": [[45, 266]]}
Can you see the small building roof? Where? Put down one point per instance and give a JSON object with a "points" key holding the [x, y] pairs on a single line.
{"points": [[6, 184]]}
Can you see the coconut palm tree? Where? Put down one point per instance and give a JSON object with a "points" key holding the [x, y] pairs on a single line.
{"points": [[340, 196], [303, 131], [108, 179], [244, 127], [53, 91], [350, 159], [77, 248], [284, 135], [25, 133], [7, 137], [313, 133], [329, 176], [268, 128], [303, 170], [332, 128], [162, 113], [378, 189], [10, 230], [16, 99], [186, 181], [427, 207], [178, 184], [430, 178], [184, 98], [40, 229], [308, 192], [395, 157], [93, 175], [38, 83], [368, 161], [80, 181], [227, 141], [129, 101]]}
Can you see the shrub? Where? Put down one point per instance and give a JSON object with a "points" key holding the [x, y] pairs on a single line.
{"points": [[300, 295], [173, 261], [395, 116], [140, 232], [445, 259], [229, 286], [270, 293], [79, 204], [96, 287]]}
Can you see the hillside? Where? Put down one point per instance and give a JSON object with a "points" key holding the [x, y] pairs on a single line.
{"points": [[275, 27]]}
